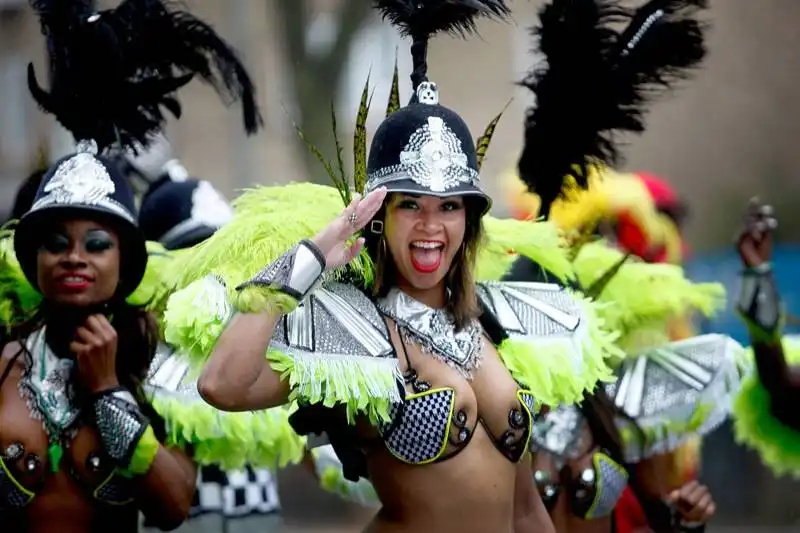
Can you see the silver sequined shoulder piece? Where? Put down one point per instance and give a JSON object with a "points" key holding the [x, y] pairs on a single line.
{"points": [[170, 373], [559, 432], [675, 391], [337, 320], [528, 310]]}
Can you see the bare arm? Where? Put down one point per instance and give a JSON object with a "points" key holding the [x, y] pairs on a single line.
{"points": [[530, 514], [165, 492], [238, 376], [760, 306]]}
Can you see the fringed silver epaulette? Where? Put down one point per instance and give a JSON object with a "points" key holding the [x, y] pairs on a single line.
{"points": [[532, 310], [340, 349], [676, 391], [336, 320], [230, 440]]}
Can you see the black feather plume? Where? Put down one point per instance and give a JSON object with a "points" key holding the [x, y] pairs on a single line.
{"points": [[114, 72], [597, 81], [421, 19]]}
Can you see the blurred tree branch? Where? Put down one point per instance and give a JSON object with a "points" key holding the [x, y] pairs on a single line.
{"points": [[316, 75]]}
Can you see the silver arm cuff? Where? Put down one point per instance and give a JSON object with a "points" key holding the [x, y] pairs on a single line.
{"points": [[295, 272], [759, 301], [120, 424]]}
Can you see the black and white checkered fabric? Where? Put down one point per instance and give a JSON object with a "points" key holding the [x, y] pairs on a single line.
{"points": [[421, 430], [529, 400], [235, 493]]}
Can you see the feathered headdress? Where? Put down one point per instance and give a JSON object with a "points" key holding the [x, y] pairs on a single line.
{"points": [[422, 19], [112, 75], [597, 81], [113, 72], [419, 20]]}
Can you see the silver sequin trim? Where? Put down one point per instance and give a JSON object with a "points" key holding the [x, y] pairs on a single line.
{"points": [[559, 432], [663, 388], [295, 272], [337, 319], [120, 425], [82, 180], [46, 387], [435, 332], [433, 158]]}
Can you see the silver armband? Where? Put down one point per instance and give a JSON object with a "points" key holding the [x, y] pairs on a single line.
{"points": [[758, 298], [295, 272], [120, 424]]}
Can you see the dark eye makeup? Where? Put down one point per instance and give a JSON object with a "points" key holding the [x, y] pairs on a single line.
{"points": [[94, 241], [97, 241], [55, 243], [411, 202]]}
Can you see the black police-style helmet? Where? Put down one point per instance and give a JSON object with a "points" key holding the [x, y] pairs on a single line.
{"points": [[84, 185], [425, 148]]}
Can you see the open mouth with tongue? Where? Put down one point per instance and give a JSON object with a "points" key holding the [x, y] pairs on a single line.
{"points": [[426, 256]]}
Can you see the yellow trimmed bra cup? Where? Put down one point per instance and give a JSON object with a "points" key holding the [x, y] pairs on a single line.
{"points": [[594, 494], [421, 431], [115, 490], [603, 491], [12, 494], [528, 403]]}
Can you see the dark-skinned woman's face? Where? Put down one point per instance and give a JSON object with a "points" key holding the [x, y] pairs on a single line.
{"points": [[78, 263]]}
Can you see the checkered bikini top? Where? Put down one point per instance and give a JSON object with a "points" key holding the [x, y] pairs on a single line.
{"points": [[340, 328], [593, 492], [426, 427]]}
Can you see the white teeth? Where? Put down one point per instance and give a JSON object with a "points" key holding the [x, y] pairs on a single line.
{"points": [[72, 279], [427, 245]]}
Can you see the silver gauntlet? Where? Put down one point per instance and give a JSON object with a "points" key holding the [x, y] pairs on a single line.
{"points": [[120, 423], [294, 273], [758, 300]]}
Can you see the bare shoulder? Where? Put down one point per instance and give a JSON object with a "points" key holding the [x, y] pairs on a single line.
{"points": [[10, 365], [9, 352]]}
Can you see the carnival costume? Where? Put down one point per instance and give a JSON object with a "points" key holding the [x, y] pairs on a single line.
{"points": [[666, 392], [765, 411], [178, 211], [112, 72], [332, 344]]}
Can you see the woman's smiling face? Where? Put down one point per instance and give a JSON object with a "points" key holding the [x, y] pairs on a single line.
{"points": [[78, 263], [423, 235]]}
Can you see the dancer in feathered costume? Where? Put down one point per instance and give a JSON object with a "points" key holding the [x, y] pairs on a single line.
{"points": [[638, 214], [178, 212], [765, 412], [422, 379], [586, 456], [91, 432]]}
